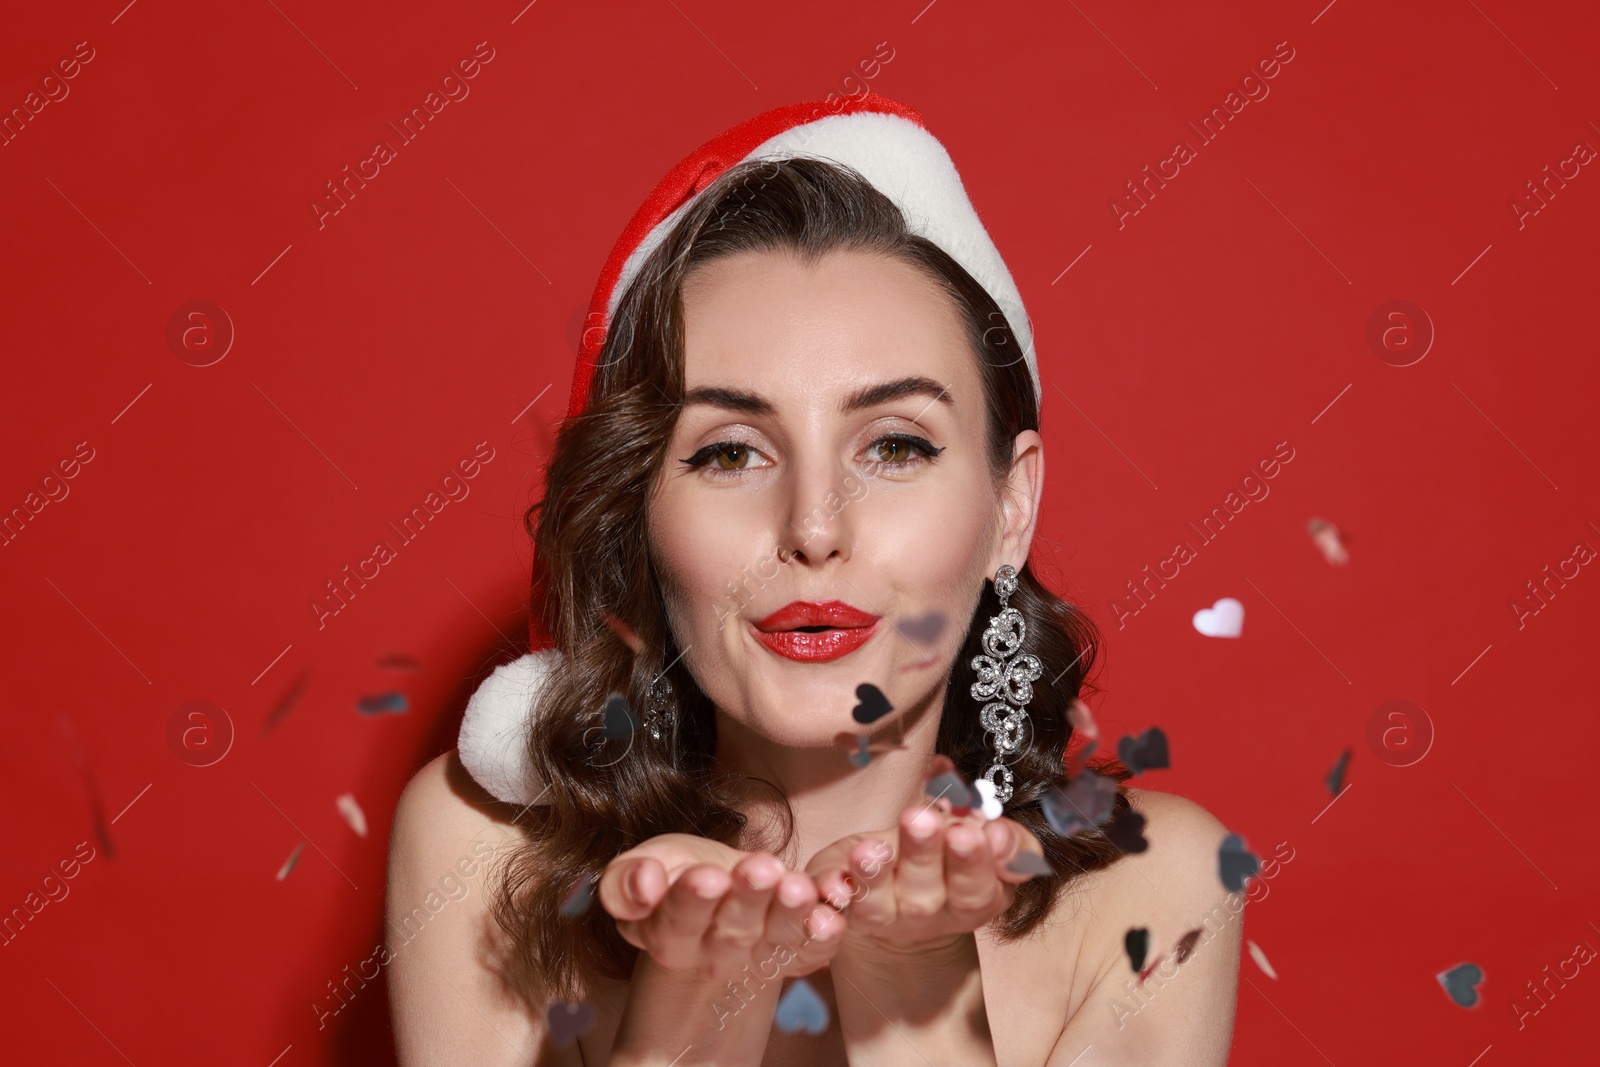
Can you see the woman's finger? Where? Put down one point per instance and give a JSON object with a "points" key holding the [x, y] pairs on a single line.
{"points": [[919, 874], [872, 869], [673, 933], [741, 918], [631, 888], [971, 886]]}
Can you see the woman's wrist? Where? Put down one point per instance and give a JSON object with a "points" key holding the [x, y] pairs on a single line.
{"points": [[669, 1012], [913, 1004]]}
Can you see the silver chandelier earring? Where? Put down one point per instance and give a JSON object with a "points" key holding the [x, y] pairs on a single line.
{"points": [[1005, 679], [657, 709]]}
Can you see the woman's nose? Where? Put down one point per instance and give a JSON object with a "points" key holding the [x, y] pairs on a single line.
{"points": [[817, 521]]}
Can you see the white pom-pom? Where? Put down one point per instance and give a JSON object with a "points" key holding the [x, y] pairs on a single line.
{"points": [[494, 733]]}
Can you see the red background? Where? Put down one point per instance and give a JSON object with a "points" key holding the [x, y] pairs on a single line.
{"points": [[430, 313]]}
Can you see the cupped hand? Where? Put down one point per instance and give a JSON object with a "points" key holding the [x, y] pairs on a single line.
{"points": [[935, 877], [699, 906]]}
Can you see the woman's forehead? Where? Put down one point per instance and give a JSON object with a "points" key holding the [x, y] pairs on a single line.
{"points": [[774, 324]]}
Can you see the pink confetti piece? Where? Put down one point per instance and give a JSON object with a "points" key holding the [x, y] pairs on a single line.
{"points": [[625, 632], [1326, 535], [346, 803]]}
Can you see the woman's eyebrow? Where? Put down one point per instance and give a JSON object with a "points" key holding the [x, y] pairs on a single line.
{"points": [[866, 397]]}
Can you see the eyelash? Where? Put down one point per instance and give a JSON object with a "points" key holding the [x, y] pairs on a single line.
{"points": [[704, 456]]}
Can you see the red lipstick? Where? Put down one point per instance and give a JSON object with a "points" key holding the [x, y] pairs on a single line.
{"points": [[815, 632]]}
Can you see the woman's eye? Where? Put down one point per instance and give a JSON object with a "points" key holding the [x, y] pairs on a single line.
{"points": [[726, 455], [901, 449]]}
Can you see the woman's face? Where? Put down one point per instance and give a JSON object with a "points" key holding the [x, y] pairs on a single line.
{"points": [[831, 451]]}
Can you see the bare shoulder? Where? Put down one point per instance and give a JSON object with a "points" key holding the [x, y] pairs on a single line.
{"points": [[1158, 936], [449, 997]]}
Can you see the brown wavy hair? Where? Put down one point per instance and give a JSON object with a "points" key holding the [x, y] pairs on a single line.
{"points": [[590, 539]]}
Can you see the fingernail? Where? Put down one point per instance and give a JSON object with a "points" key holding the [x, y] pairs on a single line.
{"points": [[962, 841], [1001, 837], [791, 893], [924, 824]]}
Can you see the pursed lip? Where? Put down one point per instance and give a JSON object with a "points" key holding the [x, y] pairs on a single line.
{"points": [[834, 614], [847, 629]]}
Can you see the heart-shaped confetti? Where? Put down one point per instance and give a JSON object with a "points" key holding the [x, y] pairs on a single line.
{"points": [[579, 897], [1137, 942], [1147, 752], [399, 661], [1235, 863], [1127, 832], [1336, 776], [1261, 959], [873, 704], [383, 704], [800, 1008], [568, 1022], [618, 717], [990, 806], [1030, 863], [1225, 618], [1461, 983], [861, 756], [1087, 802], [926, 629]]}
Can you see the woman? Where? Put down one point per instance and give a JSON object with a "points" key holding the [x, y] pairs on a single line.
{"points": [[788, 520]]}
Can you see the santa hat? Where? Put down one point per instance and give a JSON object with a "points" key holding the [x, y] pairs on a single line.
{"points": [[887, 143]]}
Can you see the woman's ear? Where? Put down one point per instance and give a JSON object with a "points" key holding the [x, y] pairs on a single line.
{"points": [[1019, 501]]}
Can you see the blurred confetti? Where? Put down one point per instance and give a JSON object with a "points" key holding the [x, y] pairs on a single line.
{"points": [[1087, 802], [288, 864], [1235, 863], [287, 702], [102, 829], [1030, 863], [1085, 737], [1147, 752], [618, 717], [1137, 943], [579, 896], [1225, 618], [1461, 982], [346, 803], [800, 1008], [1127, 831], [926, 629], [1326, 535], [949, 785], [625, 632], [568, 1022], [1336, 776], [399, 661], [384, 703], [1261, 959]]}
